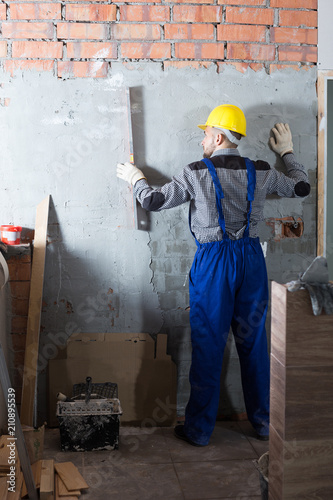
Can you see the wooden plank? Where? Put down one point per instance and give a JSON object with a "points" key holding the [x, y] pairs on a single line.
{"points": [[71, 476], [321, 161], [34, 315], [4, 453], [47, 480], [323, 76], [3, 488], [63, 491], [36, 472], [18, 488], [19, 439]]}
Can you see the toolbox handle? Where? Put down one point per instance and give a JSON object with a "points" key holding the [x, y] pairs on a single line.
{"points": [[88, 389]]}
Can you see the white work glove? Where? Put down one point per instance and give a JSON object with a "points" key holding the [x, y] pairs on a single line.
{"points": [[282, 142], [129, 173]]}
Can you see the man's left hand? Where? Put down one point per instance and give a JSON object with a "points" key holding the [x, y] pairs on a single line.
{"points": [[129, 173]]}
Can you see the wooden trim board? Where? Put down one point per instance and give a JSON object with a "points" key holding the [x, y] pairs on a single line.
{"points": [[323, 76], [71, 476], [34, 314]]}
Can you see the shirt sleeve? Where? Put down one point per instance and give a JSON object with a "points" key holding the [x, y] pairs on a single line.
{"points": [[179, 190], [293, 184]]}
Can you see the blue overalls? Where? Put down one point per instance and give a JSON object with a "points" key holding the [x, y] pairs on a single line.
{"points": [[228, 287]]}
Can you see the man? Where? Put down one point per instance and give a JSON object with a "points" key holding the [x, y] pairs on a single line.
{"points": [[228, 279]]}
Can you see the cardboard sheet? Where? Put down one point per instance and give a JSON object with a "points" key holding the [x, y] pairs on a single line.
{"points": [[146, 380]]}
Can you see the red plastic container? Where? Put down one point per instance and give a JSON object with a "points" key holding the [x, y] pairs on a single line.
{"points": [[11, 235]]}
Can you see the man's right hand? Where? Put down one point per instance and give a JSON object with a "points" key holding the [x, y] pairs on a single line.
{"points": [[129, 173], [282, 142]]}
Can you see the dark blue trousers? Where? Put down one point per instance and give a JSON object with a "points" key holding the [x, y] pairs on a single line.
{"points": [[228, 288]]}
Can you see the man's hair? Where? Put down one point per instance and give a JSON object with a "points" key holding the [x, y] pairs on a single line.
{"points": [[236, 134]]}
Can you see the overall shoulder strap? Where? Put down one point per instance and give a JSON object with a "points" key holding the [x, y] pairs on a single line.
{"points": [[251, 186], [218, 193]]}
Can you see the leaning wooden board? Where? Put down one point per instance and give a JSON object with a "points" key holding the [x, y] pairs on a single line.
{"points": [[34, 314], [71, 476], [62, 490], [46, 490]]}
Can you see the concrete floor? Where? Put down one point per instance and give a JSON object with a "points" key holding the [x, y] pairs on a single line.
{"points": [[152, 464]]}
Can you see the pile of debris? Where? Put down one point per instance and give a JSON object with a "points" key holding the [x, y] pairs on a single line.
{"points": [[58, 481]]}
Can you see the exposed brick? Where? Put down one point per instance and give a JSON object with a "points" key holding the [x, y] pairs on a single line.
{"points": [[20, 307], [190, 1], [3, 11], [197, 14], [11, 66], [21, 257], [146, 50], [35, 11], [3, 49], [194, 50], [243, 15], [279, 67], [189, 31], [136, 32], [17, 358], [82, 69], [297, 54], [249, 51], [144, 1], [187, 64], [295, 4], [298, 18], [243, 2], [242, 67], [37, 50], [144, 13], [19, 324], [85, 31], [19, 271], [83, 1], [241, 33], [294, 35], [92, 12], [20, 289], [18, 341], [87, 1], [91, 50], [27, 30]]}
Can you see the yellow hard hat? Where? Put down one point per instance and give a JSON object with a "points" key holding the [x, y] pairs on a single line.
{"points": [[227, 116]]}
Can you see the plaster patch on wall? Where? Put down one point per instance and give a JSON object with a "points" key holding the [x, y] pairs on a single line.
{"points": [[264, 248]]}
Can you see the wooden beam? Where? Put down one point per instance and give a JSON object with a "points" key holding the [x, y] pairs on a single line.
{"points": [[34, 314], [47, 480], [36, 472]]}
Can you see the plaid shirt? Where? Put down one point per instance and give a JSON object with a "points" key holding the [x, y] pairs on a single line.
{"points": [[195, 184]]}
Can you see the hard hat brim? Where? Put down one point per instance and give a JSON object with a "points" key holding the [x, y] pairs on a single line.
{"points": [[203, 127]]}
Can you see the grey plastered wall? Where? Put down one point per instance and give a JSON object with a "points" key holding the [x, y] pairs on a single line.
{"points": [[64, 138]]}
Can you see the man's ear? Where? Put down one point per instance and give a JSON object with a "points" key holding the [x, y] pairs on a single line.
{"points": [[219, 139]]}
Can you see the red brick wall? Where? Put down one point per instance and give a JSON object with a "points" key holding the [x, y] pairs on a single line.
{"points": [[19, 266], [83, 39]]}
